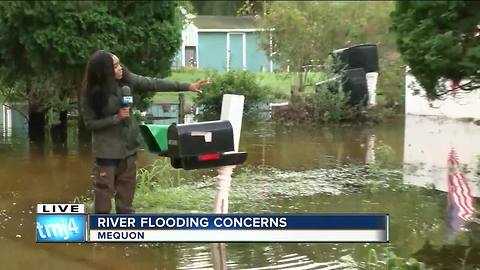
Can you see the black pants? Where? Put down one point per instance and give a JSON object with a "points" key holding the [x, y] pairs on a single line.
{"points": [[114, 178]]}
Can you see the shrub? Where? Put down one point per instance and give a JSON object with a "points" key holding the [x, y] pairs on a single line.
{"points": [[389, 260], [391, 84], [292, 114], [327, 106], [234, 82], [319, 107]]}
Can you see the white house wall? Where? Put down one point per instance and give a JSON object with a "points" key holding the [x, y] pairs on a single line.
{"points": [[460, 105], [190, 36]]}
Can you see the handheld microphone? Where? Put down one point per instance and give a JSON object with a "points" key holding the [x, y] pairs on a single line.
{"points": [[126, 101], [127, 98]]}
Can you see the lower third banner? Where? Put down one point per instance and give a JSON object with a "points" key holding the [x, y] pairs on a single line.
{"points": [[238, 228]]}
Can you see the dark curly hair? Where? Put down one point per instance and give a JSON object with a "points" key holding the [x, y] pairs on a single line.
{"points": [[99, 81]]}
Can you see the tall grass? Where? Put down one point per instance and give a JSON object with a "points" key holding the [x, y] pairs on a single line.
{"points": [[160, 188], [158, 175]]}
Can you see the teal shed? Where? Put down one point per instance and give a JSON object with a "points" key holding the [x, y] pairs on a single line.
{"points": [[223, 43]]}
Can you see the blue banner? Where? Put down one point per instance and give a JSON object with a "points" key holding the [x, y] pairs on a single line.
{"points": [[60, 228], [240, 221]]}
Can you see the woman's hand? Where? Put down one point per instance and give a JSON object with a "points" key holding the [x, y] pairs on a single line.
{"points": [[123, 113], [195, 87]]}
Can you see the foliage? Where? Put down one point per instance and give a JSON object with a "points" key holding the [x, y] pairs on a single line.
{"points": [[320, 107], [253, 7], [384, 154], [391, 84], [187, 7], [218, 8], [293, 114], [46, 44], [279, 82], [327, 106], [235, 82], [390, 261], [302, 34], [329, 103], [439, 40]]}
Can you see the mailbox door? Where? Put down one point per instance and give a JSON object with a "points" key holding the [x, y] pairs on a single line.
{"points": [[192, 140]]}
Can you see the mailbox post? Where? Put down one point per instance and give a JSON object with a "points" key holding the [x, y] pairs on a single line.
{"points": [[232, 110]]}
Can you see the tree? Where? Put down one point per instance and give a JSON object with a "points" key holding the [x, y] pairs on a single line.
{"points": [[253, 7], [44, 47], [440, 40], [302, 34], [218, 8]]}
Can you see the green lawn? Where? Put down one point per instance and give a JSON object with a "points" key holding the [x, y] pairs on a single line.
{"points": [[182, 76], [279, 83]]}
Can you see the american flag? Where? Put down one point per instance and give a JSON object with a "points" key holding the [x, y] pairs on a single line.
{"points": [[460, 199]]}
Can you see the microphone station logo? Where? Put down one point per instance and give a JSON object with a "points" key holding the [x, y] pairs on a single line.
{"points": [[60, 223], [127, 100]]}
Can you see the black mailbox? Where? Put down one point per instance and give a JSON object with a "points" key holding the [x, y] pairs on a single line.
{"points": [[202, 145], [355, 82], [360, 56]]}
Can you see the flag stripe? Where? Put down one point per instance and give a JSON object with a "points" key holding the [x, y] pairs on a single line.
{"points": [[459, 192]]}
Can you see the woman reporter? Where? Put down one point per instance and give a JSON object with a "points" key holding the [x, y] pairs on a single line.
{"points": [[114, 132]]}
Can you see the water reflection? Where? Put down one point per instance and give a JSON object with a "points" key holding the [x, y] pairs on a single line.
{"points": [[460, 199], [308, 147], [428, 142], [6, 120], [13, 128], [244, 257], [219, 256], [438, 153]]}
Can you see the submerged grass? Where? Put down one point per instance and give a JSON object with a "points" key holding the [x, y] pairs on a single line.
{"points": [[390, 261], [159, 188], [162, 189]]}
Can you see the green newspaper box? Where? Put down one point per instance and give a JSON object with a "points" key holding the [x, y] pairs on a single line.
{"points": [[155, 137]]}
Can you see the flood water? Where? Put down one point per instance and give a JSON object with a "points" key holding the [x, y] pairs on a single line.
{"points": [[417, 147]]}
